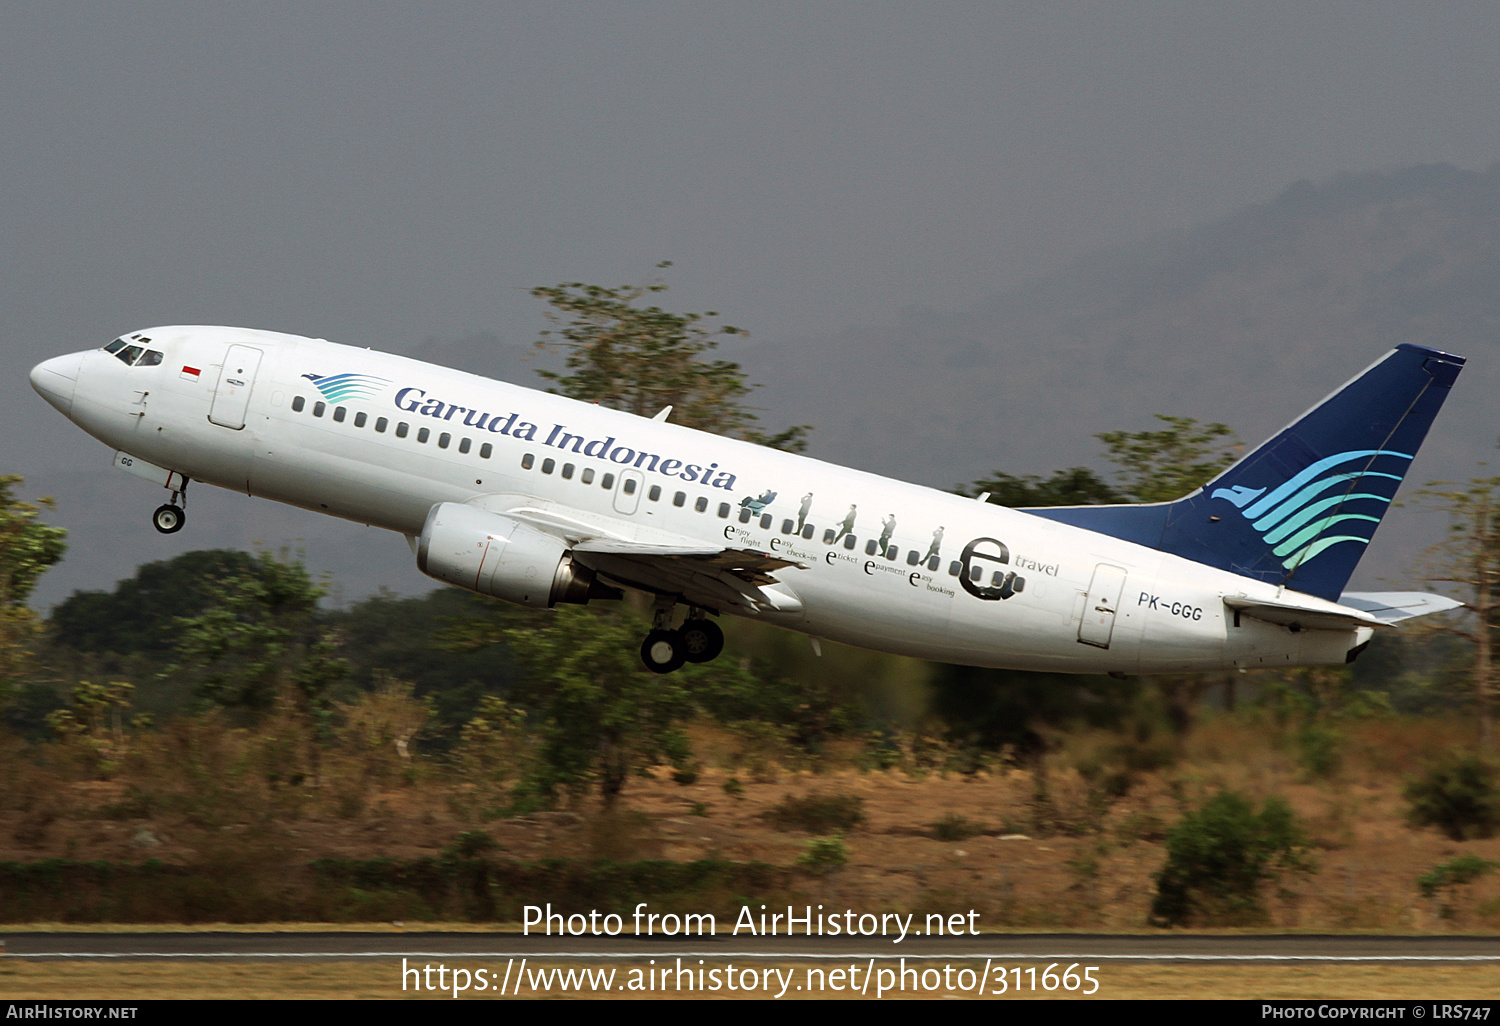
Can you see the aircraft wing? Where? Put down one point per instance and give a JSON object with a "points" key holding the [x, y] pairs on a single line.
{"points": [[714, 576]]}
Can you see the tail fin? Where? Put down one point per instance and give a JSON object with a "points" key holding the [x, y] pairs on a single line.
{"points": [[1300, 509]]}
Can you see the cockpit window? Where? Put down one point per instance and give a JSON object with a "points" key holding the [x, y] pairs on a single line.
{"points": [[114, 346], [129, 353], [150, 358]]}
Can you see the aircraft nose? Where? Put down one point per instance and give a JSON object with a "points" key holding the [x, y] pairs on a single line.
{"points": [[55, 380]]}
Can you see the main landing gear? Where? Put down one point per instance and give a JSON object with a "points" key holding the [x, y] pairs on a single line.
{"points": [[169, 518], [698, 640]]}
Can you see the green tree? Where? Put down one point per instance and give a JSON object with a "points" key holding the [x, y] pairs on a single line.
{"points": [[1076, 486], [27, 548], [1166, 464], [387, 635], [140, 614], [596, 712], [1470, 558], [643, 358], [261, 639], [1460, 795], [1221, 855], [94, 726]]}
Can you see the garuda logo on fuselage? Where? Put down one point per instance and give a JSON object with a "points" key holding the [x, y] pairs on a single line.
{"points": [[1293, 519], [336, 388]]}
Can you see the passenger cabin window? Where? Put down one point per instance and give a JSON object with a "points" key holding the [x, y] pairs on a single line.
{"points": [[380, 424], [807, 531], [567, 471], [339, 413], [788, 526], [829, 536], [485, 450], [464, 444], [723, 511], [745, 514], [912, 557], [548, 465], [654, 493], [607, 482], [423, 434], [870, 547], [318, 409], [527, 461], [629, 486], [701, 504], [765, 521], [402, 429], [954, 568], [359, 419], [849, 541], [444, 439], [587, 477], [298, 404], [679, 498]]}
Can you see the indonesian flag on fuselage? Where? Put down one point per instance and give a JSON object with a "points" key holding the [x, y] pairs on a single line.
{"points": [[191, 373]]}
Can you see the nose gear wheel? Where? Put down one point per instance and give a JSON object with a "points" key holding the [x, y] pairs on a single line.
{"points": [[168, 519]]}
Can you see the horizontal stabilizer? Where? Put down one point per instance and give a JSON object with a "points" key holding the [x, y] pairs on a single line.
{"points": [[1395, 606], [1302, 616]]}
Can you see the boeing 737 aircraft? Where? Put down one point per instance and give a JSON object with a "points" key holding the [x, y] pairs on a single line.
{"points": [[538, 499]]}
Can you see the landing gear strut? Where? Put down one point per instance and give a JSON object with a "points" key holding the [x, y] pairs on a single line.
{"points": [[698, 640]]}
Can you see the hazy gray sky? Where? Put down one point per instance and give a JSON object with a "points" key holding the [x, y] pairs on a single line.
{"points": [[381, 173]]}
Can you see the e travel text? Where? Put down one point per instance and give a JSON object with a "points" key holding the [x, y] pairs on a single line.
{"points": [[806, 921]]}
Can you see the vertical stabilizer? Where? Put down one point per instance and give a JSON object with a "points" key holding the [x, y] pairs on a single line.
{"points": [[1300, 510]]}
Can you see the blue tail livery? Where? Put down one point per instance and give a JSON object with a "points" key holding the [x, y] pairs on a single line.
{"points": [[1300, 509]]}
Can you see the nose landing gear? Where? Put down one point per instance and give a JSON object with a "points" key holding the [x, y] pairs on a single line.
{"points": [[698, 640], [169, 518]]}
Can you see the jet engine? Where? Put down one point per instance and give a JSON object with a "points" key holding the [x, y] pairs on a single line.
{"points": [[497, 555]]}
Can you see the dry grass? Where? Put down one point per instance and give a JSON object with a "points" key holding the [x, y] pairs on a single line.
{"points": [[1086, 861], [381, 980]]}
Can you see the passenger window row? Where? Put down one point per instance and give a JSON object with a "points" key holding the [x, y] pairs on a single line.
{"points": [[402, 428], [585, 476], [607, 482]]}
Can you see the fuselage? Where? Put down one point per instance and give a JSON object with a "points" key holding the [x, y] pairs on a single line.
{"points": [[380, 439]]}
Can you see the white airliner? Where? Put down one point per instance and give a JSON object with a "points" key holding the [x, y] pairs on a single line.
{"points": [[539, 499]]}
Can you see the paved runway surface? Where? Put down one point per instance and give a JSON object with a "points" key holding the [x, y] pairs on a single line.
{"points": [[1104, 947]]}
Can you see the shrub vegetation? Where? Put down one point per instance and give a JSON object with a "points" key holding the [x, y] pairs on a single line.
{"points": [[1220, 857]]}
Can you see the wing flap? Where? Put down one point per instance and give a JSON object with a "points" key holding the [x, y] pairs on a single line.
{"points": [[713, 576]]}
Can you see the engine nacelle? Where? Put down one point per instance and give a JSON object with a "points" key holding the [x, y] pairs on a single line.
{"points": [[496, 555]]}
